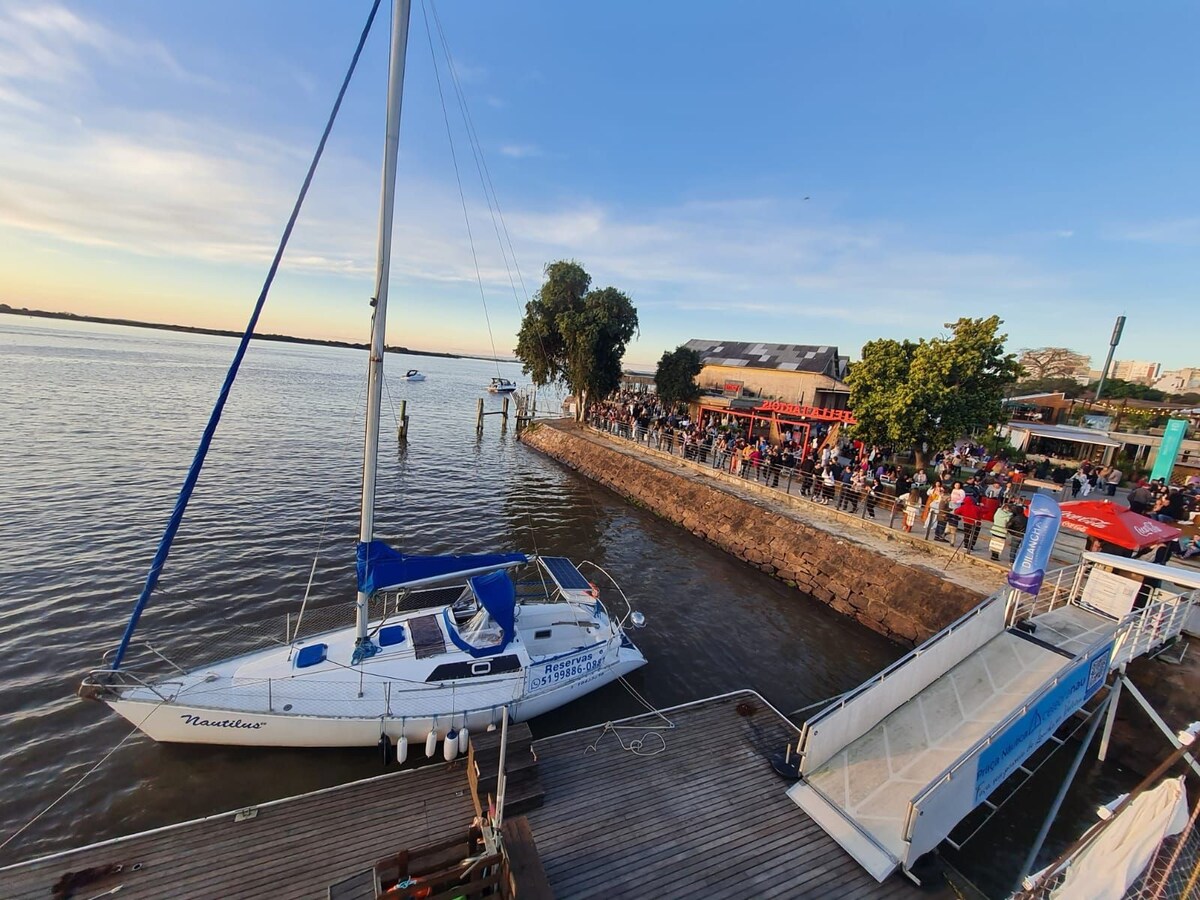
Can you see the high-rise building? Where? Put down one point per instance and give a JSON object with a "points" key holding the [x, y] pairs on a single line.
{"points": [[1134, 370]]}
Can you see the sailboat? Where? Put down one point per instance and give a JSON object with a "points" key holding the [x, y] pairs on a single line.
{"points": [[467, 637], [501, 386]]}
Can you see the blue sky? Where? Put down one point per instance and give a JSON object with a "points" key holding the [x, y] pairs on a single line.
{"points": [[793, 172]]}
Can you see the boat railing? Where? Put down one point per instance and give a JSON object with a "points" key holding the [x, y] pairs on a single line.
{"points": [[117, 678], [390, 697], [629, 612]]}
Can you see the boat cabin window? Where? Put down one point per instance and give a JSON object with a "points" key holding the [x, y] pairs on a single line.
{"points": [[481, 631], [541, 634]]}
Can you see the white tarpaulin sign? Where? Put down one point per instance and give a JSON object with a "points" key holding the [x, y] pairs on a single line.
{"points": [[1109, 593], [1107, 867]]}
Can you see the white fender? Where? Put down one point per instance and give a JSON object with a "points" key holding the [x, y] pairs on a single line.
{"points": [[450, 745], [464, 740], [430, 743], [401, 750]]}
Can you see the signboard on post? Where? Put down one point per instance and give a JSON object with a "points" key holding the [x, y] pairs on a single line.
{"points": [[1168, 450]]}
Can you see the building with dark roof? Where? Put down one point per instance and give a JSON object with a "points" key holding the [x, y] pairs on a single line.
{"points": [[804, 374], [773, 389]]}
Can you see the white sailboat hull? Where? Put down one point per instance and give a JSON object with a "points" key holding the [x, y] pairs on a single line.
{"points": [[560, 651], [181, 724]]}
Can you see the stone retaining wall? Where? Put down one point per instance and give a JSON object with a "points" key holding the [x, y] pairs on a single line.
{"points": [[907, 602]]}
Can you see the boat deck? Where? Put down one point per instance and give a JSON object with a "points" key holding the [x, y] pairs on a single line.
{"points": [[699, 811]]}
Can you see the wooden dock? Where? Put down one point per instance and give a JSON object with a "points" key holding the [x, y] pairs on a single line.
{"points": [[696, 811]]}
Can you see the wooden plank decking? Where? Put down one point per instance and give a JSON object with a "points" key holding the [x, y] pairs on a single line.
{"points": [[706, 816]]}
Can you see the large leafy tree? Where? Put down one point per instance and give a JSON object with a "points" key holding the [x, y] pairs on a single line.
{"points": [[934, 391], [1052, 362], [675, 377], [575, 334]]}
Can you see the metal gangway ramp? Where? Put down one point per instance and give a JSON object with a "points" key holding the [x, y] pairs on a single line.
{"points": [[891, 767]]}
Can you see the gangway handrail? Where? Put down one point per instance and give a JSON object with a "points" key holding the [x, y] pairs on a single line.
{"points": [[1070, 669], [809, 728]]}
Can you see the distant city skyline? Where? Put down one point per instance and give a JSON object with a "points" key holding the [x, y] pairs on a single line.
{"points": [[800, 173]]}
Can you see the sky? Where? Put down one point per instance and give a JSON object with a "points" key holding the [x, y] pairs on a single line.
{"points": [[793, 172]]}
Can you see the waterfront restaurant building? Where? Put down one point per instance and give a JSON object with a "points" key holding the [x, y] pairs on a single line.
{"points": [[773, 388]]}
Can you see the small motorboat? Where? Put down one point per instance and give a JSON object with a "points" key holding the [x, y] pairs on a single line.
{"points": [[413, 375], [501, 386]]}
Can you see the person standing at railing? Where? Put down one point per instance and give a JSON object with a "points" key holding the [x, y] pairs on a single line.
{"points": [[912, 507], [970, 514], [1016, 529], [999, 531]]}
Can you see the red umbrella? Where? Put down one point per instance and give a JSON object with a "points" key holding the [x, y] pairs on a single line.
{"points": [[1115, 524]]}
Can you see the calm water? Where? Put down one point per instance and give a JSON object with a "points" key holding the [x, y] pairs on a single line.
{"points": [[99, 424]]}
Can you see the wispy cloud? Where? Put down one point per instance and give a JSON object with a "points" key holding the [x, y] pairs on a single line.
{"points": [[179, 185], [520, 151], [1179, 232]]}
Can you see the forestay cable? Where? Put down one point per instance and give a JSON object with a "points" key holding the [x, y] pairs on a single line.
{"points": [[193, 474]]}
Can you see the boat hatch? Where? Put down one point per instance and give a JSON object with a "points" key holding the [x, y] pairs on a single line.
{"points": [[564, 574], [311, 655], [390, 635]]}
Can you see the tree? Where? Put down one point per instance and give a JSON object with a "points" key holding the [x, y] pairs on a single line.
{"points": [[934, 391], [1052, 362], [1069, 387], [575, 334], [675, 378], [1118, 389]]}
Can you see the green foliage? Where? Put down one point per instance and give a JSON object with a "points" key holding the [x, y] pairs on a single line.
{"points": [[1117, 389], [905, 394], [575, 334], [1070, 388], [675, 378]]}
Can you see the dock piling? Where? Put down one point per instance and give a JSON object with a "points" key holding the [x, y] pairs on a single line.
{"points": [[479, 414], [402, 425]]}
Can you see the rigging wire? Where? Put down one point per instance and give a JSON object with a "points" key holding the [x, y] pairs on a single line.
{"points": [[206, 438], [12, 837], [485, 177], [458, 180]]}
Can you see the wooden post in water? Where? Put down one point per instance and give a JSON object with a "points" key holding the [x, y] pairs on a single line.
{"points": [[402, 427], [503, 413], [479, 414]]}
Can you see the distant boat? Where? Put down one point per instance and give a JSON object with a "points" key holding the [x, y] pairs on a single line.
{"points": [[455, 639], [501, 386]]}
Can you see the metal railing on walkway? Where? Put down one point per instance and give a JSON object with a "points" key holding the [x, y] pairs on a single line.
{"points": [[977, 539]]}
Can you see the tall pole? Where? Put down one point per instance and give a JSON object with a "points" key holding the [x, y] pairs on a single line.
{"points": [[1112, 346], [383, 261]]}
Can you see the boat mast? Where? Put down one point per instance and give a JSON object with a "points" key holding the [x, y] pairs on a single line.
{"points": [[399, 43]]}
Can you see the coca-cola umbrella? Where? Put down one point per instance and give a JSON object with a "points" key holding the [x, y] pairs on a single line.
{"points": [[1115, 524]]}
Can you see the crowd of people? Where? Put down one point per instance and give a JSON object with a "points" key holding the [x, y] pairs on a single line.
{"points": [[967, 494]]}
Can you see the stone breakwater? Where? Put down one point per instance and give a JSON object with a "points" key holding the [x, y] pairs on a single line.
{"points": [[904, 600]]}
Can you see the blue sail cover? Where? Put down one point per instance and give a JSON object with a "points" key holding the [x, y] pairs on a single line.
{"points": [[498, 595], [380, 567]]}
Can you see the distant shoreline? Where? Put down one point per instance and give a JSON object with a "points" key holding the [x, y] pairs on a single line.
{"points": [[219, 332]]}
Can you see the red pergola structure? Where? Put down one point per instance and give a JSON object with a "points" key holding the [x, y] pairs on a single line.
{"points": [[788, 415]]}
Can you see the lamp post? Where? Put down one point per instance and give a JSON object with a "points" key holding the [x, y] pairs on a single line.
{"points": [[1112, 345]]}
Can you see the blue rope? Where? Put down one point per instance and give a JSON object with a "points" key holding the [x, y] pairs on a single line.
{"points": [[189, 483]]}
